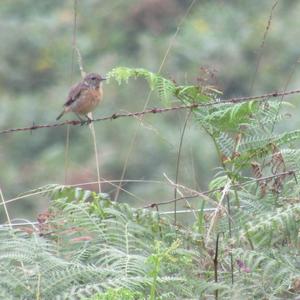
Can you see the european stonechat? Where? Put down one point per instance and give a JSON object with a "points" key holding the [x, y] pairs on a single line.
{"points": [[84, 96]]}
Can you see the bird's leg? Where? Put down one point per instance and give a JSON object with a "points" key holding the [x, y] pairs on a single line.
{"points": [[81, 120], [89, 120]]}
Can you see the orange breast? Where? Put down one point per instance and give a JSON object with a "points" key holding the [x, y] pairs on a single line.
{"points": [[87, 101]]}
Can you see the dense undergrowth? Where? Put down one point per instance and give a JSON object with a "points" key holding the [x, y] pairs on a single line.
{"points": [[88, 247]]}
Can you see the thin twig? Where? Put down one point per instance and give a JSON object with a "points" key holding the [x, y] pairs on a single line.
{"points": [[132, 142], [93, 133], [67, 146], [186, 189], [74, 41], [83, 73], [5, 226], [171, 43], [230, 236], [189, 211], [33, 223], [220, 206], [178, 162], [152, 205], [79, 60], [74, 37], [262, 45], [110, 182], [216, 265], [5, 208], [291, 74], [220, 189]]}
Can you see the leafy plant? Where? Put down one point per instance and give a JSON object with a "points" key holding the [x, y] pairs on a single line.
{"points": [[243, 244]]}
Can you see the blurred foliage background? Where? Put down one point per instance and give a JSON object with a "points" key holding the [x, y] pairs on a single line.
{"points": [[218, 43]]}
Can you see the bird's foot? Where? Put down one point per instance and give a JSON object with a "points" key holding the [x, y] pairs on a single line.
{"points": [[89, 120], [82, 121]]}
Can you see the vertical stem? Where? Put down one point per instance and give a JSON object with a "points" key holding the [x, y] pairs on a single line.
{"points": [[178, 163], [133, 140], [230, 235], [92, 128], [74, 37], [159, 226], [262, 45], [228, 202], [67, 146], [38, 290], [5, 209], [216, 265]]}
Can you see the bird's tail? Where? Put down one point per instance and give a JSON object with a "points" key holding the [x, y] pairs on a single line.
{"points": [[61, 114]]}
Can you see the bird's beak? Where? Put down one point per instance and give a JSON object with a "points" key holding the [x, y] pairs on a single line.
{"points": [[103, 78]]}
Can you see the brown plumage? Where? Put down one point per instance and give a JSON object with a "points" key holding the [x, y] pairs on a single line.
{"points": [[84, 96]]}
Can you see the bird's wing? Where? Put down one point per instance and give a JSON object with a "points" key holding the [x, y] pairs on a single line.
{"points": [[75, 92]]}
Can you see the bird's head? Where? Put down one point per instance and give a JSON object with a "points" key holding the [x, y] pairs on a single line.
{"points": [[93, 80]]}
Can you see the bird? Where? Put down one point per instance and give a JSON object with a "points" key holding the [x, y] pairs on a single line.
{"points": [[84, 97]]}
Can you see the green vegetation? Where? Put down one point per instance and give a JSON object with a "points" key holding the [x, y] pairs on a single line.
{"points": [[88, 247], [217, 45], [209, 205]]}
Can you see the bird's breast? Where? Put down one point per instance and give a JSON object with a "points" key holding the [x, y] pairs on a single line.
{"points": [[87, 101]]}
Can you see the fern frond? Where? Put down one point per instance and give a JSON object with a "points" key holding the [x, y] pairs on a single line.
{"points": [[275, 270], [226, 144], [166, 88], [277, 221]]}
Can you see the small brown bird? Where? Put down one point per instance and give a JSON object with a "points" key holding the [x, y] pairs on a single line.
{"points": [[84, 96]]}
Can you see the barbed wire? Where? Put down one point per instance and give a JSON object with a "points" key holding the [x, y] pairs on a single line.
{"points": [[219, 189], [156, 110]]}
